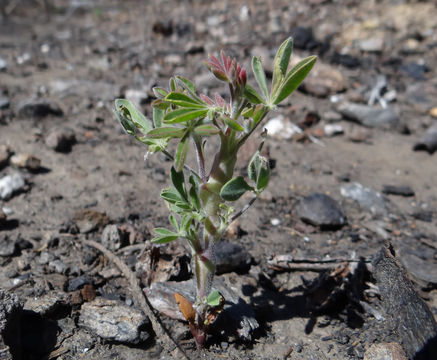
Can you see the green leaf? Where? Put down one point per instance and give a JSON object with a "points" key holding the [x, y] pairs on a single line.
{"points": [[280, 65], [166, 132], [187, 83], [160, 104], [178, 181], [181, 153], [247, 112], [293, 78], [183, 100], [186, 222], [206, 130], [128, 111], [183, 115], [158, 116], [159, 93], [232, 123], [194, 197], [164, 236], [171, 195], [259, 171], [174, 222], [214, 298], [252, 95], [234, 189], [260, 76]]}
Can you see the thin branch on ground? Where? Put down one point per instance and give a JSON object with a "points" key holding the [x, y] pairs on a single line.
{"points": [[161, 332]]}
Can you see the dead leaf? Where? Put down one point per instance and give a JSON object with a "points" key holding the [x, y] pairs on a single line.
{"points": [[186, 308]]}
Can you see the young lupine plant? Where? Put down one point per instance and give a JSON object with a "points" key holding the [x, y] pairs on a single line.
{"points": [[200, 200]]}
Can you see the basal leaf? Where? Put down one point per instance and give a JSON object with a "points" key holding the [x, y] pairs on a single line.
{"points": [[214, 298], [234, 189], [183, 115], [293, 78], [260, 76]]}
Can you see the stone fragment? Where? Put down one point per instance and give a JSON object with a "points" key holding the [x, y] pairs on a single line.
{"points": [[90, 220], [332, 130], [26, 161], [320, 210], [60, 139], [368, 199], [3, 64], [428, 141], [385, 351], [78, 282], [415, 71], [4, 102], [323, 80], [303, 38], [401, 190], [231, 257], [8, 246], [4, 155], [112, 320], [422, 95], [421, 269], [10, 185], [46, 304], [39, 108], [236, 320], [10, 313], [368, 115], [371, 45], [112, 238]]}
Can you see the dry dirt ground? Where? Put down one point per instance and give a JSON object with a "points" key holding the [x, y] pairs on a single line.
{"points": [[78, 56]]}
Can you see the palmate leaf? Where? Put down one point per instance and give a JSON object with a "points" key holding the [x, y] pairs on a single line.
{"points": [[178, 181], [183, 100], [131, 118], [206, 130], [251, 94], [184, 115], [166, 132], [294, 77], [259, 171], [164, 236], [181, 153]]}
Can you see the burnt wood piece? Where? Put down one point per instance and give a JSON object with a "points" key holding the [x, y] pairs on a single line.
{"points": [[407, 313]]}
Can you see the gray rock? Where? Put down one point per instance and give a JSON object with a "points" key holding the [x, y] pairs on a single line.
{"points": [[368, 199], [4, 102], [10, 312], [236, 320], [112, 320], [38, 108], [26, 161], [324, 80], [112, 238], [369, 116], [90, 220], [3, 64], [231, 257], [46, 304], [8, 246], [428, 141], [385, 351], [59, 266], [371, 45], [320, 210], [60, 139], [422, 269], [11, 184]]}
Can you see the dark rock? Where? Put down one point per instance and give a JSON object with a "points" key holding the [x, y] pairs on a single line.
{"points": [[114, 321], [4, 155], [10, 185], [60, 140], [345, 60], [10, 313], [415, 71], [303, 38], [407, 314], [428, 141], [3, 218], [320, 210], [368, 115], [421, 268], [4, 102], [38, 108], [231, 257], [90, 220], [79, 282], [236, 320], [397, 190], [423, 215], [367, 198], [163, 28]]}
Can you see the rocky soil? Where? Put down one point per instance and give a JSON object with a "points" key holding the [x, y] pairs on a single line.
{"points": [[308, 271]]}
